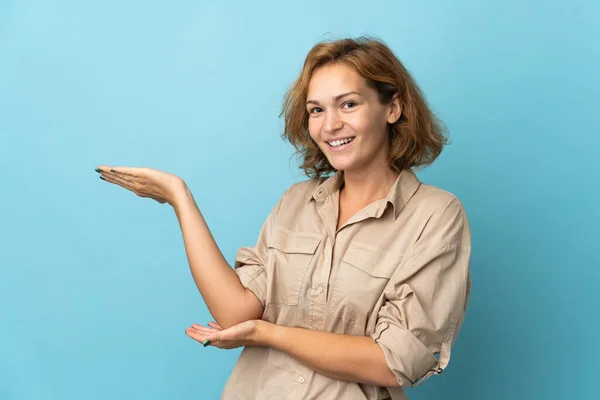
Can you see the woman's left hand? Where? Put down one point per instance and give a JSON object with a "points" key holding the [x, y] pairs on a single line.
{"points": [[247, 333]]}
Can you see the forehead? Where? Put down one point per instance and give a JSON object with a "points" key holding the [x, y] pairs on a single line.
{"points": [[334, 79]]}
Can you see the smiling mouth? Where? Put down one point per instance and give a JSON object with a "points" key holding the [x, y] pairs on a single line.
{"points": [[340, 142]]}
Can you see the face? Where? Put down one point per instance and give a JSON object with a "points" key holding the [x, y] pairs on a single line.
{"points": [[347, 120]]}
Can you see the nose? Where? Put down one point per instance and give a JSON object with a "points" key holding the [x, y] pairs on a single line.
{"points": [[333, 122]]}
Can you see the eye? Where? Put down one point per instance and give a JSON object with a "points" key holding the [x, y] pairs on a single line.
{"points": [[312, 110], [349, 102]]}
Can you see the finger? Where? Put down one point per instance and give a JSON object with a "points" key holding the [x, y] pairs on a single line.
{"points": [[120, 178], [126, 171], [136, 182], [130, 183], [215, 325], [105, 168], [199, 328], [118, 181], [133, 186], [206, 331], [200, 337], [202, 327], [217, 337], [121, 171]]}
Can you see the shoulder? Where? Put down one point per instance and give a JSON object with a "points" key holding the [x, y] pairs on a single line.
{"points": [[441, 215], [432, 200]]}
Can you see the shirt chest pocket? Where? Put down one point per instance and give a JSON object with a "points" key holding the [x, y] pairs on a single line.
{"points": [[290, 255], [362, 276]]}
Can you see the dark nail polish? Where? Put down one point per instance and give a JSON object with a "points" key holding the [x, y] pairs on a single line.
{"points": [[112, 170], [206, 343], [101, 177], [98, 170]]}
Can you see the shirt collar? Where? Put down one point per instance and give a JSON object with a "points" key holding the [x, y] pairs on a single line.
{"points": [[400, 193], [328, 187]]}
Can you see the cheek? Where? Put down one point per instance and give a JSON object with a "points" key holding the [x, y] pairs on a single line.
{"points": [[371, 127], [360, 121], [314, 129]]}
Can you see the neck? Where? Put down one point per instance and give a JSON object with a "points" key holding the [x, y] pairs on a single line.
{"points": [[368, 185]]}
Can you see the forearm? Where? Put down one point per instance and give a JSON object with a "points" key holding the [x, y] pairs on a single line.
{"points": [[227, 300], [343, 357]]}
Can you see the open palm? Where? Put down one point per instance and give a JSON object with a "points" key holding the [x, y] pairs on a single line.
{"points": [[243, 334], [144, 182]]}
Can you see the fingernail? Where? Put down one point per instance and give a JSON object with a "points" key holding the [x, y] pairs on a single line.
{"points": [[112, 170], [101, 177], [206, 343], [98, 170]]}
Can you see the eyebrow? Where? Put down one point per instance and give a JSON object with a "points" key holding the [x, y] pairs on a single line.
{"points": [[336, 98]]}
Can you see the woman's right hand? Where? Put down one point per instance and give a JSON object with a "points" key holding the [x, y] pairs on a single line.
{"points": [[145, 182]]}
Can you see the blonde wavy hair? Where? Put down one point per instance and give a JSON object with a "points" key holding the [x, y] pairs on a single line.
{"points": [[415, 140]]}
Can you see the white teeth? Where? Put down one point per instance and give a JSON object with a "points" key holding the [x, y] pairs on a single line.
{"points": [[336, 143]]}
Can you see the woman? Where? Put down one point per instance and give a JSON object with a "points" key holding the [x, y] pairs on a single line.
{"points": [[359, 279]]}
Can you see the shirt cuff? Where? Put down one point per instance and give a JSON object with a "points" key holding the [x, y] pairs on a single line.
{"points": [[253, 278], [406, 356]]}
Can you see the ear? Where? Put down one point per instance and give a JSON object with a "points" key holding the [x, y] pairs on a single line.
{"points": [[395, 110]]}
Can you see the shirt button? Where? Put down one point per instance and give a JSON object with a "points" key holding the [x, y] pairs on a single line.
{"points": [[301, 379], [320, 289]]}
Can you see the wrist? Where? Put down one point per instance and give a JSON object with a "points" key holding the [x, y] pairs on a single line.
{"points": [[180, 195], [268, 333]]}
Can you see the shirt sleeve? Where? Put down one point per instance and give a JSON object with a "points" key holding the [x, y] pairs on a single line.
{"points": [[425, 300], [250, 262]]}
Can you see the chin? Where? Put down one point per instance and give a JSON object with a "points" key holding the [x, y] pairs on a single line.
{"points": [[343, 161], [341, 165]]}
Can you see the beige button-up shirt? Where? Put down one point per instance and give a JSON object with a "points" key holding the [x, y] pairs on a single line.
{"points": [[397, 271]]}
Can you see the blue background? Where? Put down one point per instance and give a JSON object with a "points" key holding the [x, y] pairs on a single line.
{"points": [[95, 289]]}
